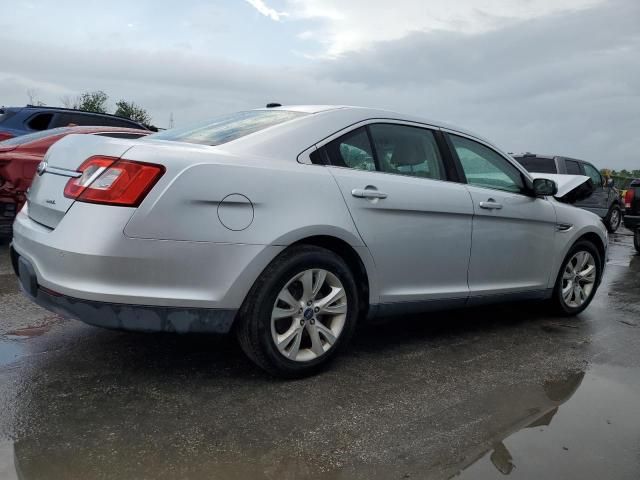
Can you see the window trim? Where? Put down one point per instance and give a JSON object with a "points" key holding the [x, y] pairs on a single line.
{"points": [[526, 178], [450, 170]]}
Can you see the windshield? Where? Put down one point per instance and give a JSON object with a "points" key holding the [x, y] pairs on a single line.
{"points": [[227, 127], [32, 137]]}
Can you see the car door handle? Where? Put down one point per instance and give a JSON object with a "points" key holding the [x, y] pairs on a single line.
{"points": [[367, 193], [491, 204]]}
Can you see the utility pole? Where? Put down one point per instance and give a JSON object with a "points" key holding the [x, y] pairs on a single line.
{"points": [[171, 120]]}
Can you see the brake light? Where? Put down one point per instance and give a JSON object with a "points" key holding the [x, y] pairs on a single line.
{"points": [[6, 136], [628, 198], [109, 181]]}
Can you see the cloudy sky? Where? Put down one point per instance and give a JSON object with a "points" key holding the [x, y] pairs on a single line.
{"points": [[551, 76]]}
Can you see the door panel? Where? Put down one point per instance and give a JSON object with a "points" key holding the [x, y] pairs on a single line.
{"points": [[513, 233], [419, 234], [512, 245], [598, 201]]}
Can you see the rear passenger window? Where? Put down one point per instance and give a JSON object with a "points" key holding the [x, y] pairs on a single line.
{"points": [[40, 121], [352, 150], [406, 150], [537, 164], [573, 168]]}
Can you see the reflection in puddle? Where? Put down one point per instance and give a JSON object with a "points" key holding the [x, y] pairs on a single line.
{"points": [[595, 435], [10, 351]]}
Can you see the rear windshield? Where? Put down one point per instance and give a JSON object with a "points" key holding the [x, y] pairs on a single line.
{"points": [[32, 137], [228, 127], [538, 165]]}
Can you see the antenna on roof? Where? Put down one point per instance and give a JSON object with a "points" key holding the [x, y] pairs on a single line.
{"points": [[273, 105]]}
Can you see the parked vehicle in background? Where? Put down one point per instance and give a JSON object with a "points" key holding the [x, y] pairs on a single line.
{"points": [[604, 201], [16, 121], [19, 159], [286, 225], [632, 210]]}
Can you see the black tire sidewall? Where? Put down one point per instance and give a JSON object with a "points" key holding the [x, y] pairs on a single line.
{"points": [[275, 278], [562, 307], [610, 227]]}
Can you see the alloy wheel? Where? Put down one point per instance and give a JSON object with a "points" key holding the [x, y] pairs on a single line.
{"points": [[578, 279], [309, 315], [614, 220]]}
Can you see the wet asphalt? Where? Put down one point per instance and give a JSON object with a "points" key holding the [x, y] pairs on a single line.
{"points": [[479, 394]]}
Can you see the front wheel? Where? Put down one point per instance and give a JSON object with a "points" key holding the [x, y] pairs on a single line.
{"points": [[300, 312], [578, 279], [614, 218]]}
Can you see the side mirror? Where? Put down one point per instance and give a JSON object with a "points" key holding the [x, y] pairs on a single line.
{"points": [[544, 187]]}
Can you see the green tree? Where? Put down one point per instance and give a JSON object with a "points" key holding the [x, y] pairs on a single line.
{"points": [[133, 112], [93, 101]]}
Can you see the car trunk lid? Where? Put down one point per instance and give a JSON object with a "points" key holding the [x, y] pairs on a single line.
{"points": [[46, 201]]}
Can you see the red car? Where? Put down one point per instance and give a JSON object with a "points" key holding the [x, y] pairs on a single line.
{"points": [[19, 159]]}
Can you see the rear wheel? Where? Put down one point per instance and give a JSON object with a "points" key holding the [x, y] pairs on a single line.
{"points": [[614, 218], [300, 313], [578, 279], [636, 239]]}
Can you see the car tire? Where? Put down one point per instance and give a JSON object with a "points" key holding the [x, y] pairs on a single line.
{"points": [[571, 306], [264, 340], [613, 219], [636, 239]]}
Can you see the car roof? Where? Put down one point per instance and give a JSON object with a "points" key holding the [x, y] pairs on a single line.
{"points": [[368, 113], [44, 108]]}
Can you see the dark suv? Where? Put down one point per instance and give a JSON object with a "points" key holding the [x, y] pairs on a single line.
{"points": [[632, 210], [604, 201], [15, 121]]}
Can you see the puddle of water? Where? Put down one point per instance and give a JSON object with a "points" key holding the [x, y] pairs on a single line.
{"points": [[596, 434], [10, 351]]}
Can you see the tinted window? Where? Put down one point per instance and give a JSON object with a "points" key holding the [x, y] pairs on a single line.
{"points": [[537, 164], [407, 150], [40, 121], [228, 127], [593, 174], [486, 168], [32, 137], [573, 168], [352, 150]]}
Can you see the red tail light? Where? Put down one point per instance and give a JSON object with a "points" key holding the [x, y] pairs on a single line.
{"points": [[110, 181], [6, 136], [628, 198]]}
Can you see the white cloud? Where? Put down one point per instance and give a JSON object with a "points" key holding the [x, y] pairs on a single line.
{"points": [[356, 24], [267, 11]]}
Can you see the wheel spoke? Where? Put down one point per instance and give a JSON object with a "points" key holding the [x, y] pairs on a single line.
{"points": [[326, 333], [324, 304], [567, 291], [286, 297], [307, 284], [321, 275], [582, 261], [588, 273], [279, 313], [316, 342], [292, 338]]}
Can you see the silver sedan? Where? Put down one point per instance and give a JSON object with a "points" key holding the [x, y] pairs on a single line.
{"points": [[288, 225]]}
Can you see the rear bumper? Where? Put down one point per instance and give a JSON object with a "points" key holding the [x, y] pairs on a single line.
{"points": [[631, 221], [87, 257], [146, 318]]}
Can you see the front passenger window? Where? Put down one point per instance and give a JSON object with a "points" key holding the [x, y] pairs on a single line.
{"points": [[485, 168]]}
